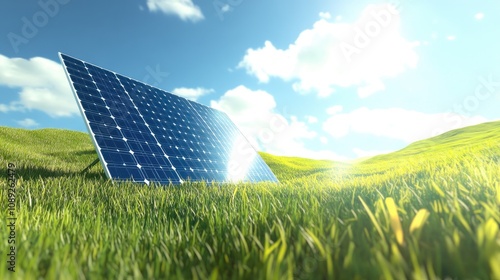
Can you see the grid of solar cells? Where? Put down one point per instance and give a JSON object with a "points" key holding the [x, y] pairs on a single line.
{"points": [[147, 134]]}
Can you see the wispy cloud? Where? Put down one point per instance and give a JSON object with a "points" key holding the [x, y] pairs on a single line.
{"points": [[13, 106], [479, 16], [27, 122]]}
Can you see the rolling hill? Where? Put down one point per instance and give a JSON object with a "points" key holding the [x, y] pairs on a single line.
{"points": [[57, 151], [477, 135], [428, 211]]}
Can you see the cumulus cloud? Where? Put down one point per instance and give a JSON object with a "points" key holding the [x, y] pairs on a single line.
{"points": [[192, 93], [254, 112], [337, 54], [334, 109], [184, 9], [311, 119], [42, 83], [27, 122], [396, 123], [325, 15]]}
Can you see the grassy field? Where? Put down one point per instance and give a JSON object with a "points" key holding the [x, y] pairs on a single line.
{"points": [[429, 211]]}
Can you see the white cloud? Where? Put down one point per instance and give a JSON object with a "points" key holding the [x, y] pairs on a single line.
{"points": [[192, 93], [362, 153], [13, 106], [451, 38], [325, 15], [184, 9], [334, 109], [370, 88], [311, 119], [323, 140], [320, 155], [396, 123], [42, 83], [253, 111], [332, 55], [479, 16], [27, 123], [226, 8], [338, 18]]}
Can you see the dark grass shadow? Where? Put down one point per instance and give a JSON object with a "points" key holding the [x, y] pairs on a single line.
{"points": [[83, 157], [76, 154], [86, 153], [35, 172]]}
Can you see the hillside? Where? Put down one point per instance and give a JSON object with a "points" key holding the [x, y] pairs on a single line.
{"points": [[51, 152], [477, 135], [486, 136], [47, 152], [429, 211]]}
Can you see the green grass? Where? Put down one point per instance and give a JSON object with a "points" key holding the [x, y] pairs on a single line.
{"points": [[428, 211]]}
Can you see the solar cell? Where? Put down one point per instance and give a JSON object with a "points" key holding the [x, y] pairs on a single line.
{"points": [[145, 134]]}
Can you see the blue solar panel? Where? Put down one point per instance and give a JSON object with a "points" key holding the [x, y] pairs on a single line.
{"points": [[145, 134]]}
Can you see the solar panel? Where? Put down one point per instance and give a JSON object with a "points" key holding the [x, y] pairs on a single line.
{"points": [[145, 134]]}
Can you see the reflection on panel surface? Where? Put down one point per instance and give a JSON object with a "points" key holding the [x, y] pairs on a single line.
{"points": [[146, 134]]}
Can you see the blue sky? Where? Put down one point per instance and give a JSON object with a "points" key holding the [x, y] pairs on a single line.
{"points": [[317, 79]]}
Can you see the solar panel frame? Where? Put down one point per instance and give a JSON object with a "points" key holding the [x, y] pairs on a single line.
{"points": [[98, 90]]}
